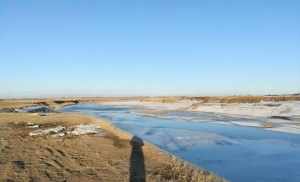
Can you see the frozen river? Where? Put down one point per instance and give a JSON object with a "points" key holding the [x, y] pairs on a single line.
{"points": [[240, 154]]}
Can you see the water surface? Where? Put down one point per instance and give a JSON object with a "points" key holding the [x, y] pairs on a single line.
{"points": [[240, 154]]}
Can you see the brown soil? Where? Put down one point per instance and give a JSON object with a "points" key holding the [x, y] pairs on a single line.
{"points": [[112, 156]]}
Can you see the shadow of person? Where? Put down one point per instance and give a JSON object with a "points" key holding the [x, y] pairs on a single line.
{"points": [[137, 165]]}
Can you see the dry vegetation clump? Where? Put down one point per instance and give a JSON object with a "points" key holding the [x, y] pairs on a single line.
{"points": [[161, 99], [246, 99], [268, 125], [201, 99], [15, 103], [180, 171], [169, 100], [281, 98], [43, 103], [242, 99], [66, 119]]}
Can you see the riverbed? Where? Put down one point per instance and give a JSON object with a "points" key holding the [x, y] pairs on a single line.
{"points": [[210, 141]]}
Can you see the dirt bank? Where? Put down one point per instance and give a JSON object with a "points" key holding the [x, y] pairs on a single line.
{"points": [[110, 155]]}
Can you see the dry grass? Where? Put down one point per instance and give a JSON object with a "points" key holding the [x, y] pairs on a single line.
{"points": [[268, 125], [242, 99], [162, 99], [57, 118], [58, 103], [15, 103], [84, 158], [52, 103], [226, 99], [245, 99]]}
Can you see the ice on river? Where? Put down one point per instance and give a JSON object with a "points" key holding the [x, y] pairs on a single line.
{"points": [[237, 148]]}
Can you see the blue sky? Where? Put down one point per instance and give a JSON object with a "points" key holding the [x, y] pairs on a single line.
{"points": [[153, 47]]}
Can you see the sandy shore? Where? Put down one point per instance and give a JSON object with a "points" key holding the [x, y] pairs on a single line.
{"points": [[106, 155]]}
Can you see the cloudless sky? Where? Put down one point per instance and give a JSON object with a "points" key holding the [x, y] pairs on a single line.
{"points": [[149, 47]]}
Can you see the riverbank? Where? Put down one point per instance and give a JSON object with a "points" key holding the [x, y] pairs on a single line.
{"points": [[209, 140], [199, 130], [45, 147], [275, 113]]}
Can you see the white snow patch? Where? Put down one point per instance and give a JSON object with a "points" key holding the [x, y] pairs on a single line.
{"points": [[61, 131], [58, 135], [263, 109], [85, 129], [153, 105], [222, 122], [286, 129], [34, 126], [55, 130], [246, 123]]}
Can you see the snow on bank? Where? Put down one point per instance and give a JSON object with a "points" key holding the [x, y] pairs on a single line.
{"points": [[273, 116], [263, 109], [181, 105], [61, 131], [246, 123], [85, 129], [287, 129]]}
